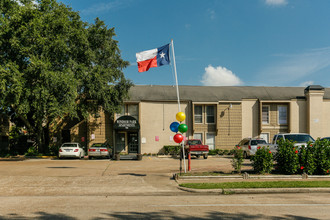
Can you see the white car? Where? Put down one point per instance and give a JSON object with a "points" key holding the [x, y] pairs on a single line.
{"points": [[250, 145], [71, 150]]}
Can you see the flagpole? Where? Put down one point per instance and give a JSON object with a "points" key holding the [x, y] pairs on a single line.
{"points": [[176, 76], [177, 94]]}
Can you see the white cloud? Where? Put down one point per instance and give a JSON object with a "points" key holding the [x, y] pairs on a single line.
{"points": [[295, 67], [220, 76], [104, 7], [307, 83], [212, 14], [276, 2]]}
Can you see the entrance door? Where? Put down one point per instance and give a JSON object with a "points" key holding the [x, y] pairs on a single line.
{"points": [[120, 142], [133, 143]]}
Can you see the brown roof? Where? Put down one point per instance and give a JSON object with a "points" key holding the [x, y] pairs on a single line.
{"points": [[216, 93]]}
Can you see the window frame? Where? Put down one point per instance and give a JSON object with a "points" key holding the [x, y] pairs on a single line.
{"points": [[201, 133], [268, 115], [206, 114], [278, 117], [201, 115], [206, 138]]}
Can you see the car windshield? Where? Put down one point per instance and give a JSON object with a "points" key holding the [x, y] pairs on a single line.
{"points": [[194, 142], [299, 138], [97, 145], [256, 142], [69, 145]]}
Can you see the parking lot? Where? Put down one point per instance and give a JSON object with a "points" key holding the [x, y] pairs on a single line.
{"points": [[98, 177]]}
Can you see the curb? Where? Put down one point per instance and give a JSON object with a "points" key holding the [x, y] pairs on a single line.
{"points": [[247, 176], [255, 190]]}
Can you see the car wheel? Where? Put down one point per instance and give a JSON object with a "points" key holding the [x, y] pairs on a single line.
{"points": [[205, 156], [89, 157], [198, 156]]}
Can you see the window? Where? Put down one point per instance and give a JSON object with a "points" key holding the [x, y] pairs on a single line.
{"points": [[133, 110], [210, 114], [210, 140], [198, 136], [265, 136], [130, 109], [265, 114], [282, 114], [122, 112], [198, 114]]}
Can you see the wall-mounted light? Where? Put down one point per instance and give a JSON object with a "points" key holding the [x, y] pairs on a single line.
{"points": [[230, 105]]}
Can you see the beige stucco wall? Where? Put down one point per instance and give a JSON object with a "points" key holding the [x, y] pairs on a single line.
{"points": [[325, 119], [155, 120], [298, 122], [315, 113], [250, 118]]}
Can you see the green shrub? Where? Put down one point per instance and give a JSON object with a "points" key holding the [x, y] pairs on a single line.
{"points": [[237, 160], [32, 152], [307, 159], [213, 152], [287, 157], [322, 156], [172, 149], [263, 161]]}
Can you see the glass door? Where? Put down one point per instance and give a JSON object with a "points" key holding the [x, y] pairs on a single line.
{"points": [[133, 143], [120, 142]]}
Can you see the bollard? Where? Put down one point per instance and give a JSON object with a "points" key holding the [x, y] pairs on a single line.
{"points": [[189, 161]]}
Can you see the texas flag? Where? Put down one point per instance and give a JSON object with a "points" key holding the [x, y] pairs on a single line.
{"points": [[153, 58]]}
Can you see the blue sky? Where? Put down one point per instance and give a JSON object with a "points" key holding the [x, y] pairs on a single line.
{"points": [[222, 42]]}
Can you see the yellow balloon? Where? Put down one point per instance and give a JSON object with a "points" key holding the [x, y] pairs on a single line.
{"points": [[180, 116]]}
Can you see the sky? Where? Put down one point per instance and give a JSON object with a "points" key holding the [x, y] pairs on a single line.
{"points": [[221, 42]]}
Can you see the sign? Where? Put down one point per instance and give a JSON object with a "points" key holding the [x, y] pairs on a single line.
{"points": [[126, 123]]}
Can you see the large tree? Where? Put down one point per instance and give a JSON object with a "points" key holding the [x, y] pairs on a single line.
{"points": [[53, 64]]}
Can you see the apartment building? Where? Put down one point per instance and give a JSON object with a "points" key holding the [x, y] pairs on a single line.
{"points": [[219, 116]]}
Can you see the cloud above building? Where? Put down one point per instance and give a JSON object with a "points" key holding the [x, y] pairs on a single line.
{"points": [[219, 76]]}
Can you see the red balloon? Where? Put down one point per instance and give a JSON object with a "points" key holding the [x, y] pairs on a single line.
{"points": [[178, 138]]}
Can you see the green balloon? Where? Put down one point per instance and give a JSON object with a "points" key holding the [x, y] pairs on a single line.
{"points": [[183, 128]]}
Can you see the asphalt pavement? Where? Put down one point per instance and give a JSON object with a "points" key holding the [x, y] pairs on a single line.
{"points": [[151, 176]]}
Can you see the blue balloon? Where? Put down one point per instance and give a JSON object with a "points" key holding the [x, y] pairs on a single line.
{"points": [[174, 126]]}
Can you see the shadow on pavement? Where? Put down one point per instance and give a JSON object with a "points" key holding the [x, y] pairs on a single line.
{"points": [[165, 214]]}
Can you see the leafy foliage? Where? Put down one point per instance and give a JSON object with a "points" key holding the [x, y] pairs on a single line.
{"points": [[172, 149], [262, 161], [322, 156], [287, 157], [52, 65], [237, 160], [307, 159]]}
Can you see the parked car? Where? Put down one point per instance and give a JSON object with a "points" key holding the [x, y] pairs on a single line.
{"points": [[71, 150], [299, 140], [325, 138], [196, 148], [100, 150], [249, 146]]}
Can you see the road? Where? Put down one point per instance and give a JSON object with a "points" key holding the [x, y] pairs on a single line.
{"points": [[274, 206], [101, 189]]}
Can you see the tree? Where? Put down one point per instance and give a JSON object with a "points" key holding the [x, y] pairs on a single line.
{"points": [[53, 64]]}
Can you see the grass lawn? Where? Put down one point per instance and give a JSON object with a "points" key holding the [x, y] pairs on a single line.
{"points": [[265, 184]]}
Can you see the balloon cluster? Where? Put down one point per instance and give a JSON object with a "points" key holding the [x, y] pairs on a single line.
{"points": [[178, 127]]}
